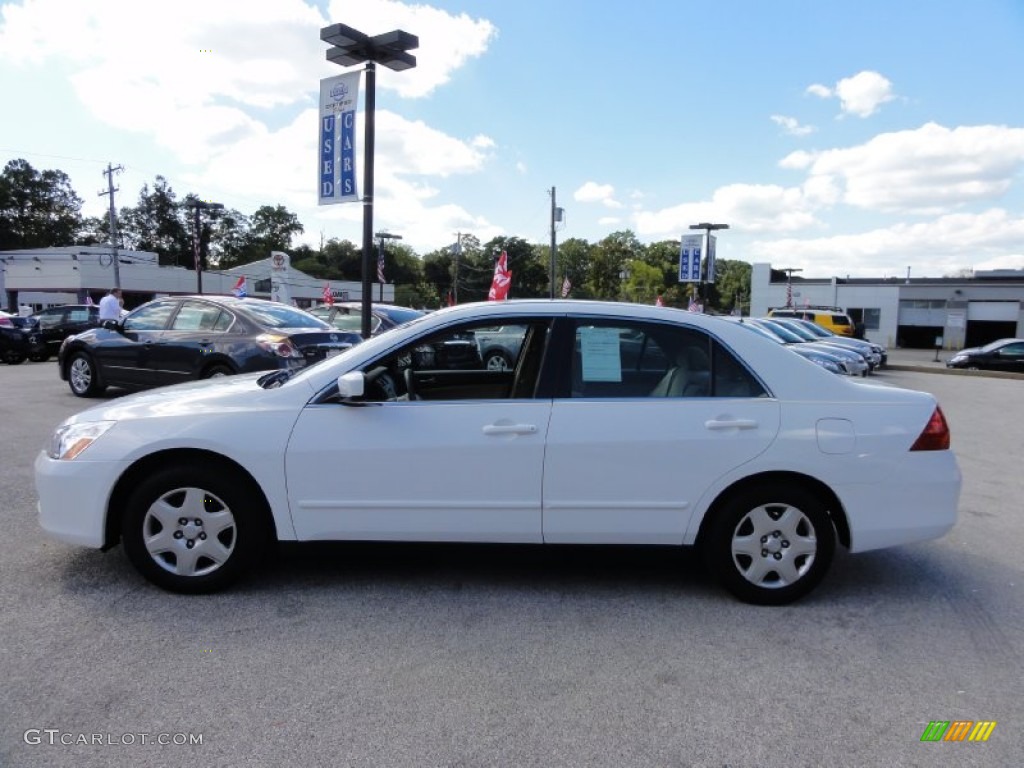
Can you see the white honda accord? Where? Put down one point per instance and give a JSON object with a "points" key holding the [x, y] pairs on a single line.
{"points": [[615, 424]]}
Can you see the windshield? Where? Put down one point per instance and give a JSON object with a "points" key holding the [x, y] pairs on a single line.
{"points": [[798, 329], [778, 330], [273, 315], [402, 314]]}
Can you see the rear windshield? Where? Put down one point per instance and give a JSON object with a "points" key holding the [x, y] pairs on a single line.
{"points": [[272, 315]]}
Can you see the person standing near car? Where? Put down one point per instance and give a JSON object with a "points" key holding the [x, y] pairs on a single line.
{"points": [[110, 305]]}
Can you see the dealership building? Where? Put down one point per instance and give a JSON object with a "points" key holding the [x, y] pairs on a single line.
{"points": [[41, 277], [924, 312]]}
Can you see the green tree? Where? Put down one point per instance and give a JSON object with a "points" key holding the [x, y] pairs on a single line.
{"points": [[609, 259], [731, 288], [573, 261], [37, 209], [273, 228], [159, 223], [230, 239]]}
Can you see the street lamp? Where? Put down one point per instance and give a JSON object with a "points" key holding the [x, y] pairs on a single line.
{"points": [[708, 229], [200, 205], [382, 236], [350, 47]]}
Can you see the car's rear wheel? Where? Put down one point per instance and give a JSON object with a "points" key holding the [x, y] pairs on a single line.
{"points": [[194, 529], [83, 376], [497, 361], [39, 357], [13, 358], [771, 544], [215, 371]]}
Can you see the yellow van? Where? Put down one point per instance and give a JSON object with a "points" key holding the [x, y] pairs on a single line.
{"points": [[831, 318]]}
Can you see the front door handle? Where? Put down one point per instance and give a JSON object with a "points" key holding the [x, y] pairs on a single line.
{"points": [[731, 424], [510, 429]]}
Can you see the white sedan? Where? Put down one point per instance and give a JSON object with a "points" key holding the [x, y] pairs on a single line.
{"points": [[615, 424]]}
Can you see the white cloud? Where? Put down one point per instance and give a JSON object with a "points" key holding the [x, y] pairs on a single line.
{"points": [[521, 167], [860, 95], [988, 240], [592, 192], [927, 170], [609, 221], [792, 126]]}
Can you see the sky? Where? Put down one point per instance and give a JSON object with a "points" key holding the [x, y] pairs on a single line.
{"points": [[853, 138]]}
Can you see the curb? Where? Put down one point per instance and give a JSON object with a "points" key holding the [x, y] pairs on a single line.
{"points": [[953, 371]]}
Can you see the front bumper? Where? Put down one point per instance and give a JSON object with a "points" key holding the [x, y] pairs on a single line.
{"points": [[74, 496]]}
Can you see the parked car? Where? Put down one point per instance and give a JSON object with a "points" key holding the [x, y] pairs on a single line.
{"points": [[172, 340], [830, 318], [810, 332], [826, 335], [734, 446], [854, 362], [19, 339], [1002, 355], [57, 323], [348, 316], [819, 357]]}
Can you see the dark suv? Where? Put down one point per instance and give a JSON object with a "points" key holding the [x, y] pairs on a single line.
{"points": [[57, 323]]}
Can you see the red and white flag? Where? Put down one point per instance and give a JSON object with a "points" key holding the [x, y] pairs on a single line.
{"points": [[658, 302], [239, 289], [566, 286], [328, 296], [502, 280]]}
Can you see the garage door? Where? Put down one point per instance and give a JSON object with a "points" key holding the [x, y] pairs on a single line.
{"points": [[993, 310]]}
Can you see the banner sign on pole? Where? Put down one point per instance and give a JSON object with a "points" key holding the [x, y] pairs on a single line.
{"points": [[336, 178], [710, 251], [689, 258]]}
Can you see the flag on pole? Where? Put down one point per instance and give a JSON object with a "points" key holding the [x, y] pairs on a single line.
{"points": [[566, 286], [693, 304], [658, 302], [501, 281], [328, 295], [239, 289], [380, 266], [451, 299]]}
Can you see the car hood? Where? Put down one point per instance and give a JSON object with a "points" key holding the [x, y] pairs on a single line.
{"points": [[218, 395], [969, 351]]}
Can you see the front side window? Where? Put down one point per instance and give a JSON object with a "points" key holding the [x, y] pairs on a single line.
{"points": [[458, 364]]}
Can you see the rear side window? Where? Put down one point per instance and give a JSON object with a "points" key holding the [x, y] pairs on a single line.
{"points": [[840, 320]]}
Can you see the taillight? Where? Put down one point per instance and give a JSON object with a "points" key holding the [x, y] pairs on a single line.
{"points": [[935, 436], [279, 345]]}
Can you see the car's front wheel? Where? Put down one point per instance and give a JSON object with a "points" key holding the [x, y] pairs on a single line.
{"points": [[771, 544], [497, 361], [216, 371], [194, 529], [13, 358], [83, 376]]}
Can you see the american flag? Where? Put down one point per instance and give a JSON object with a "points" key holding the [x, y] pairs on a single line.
{"points": [[659, 302], [566, 286], [328, 295], [380, 266], [239, 289], [693, 304]]}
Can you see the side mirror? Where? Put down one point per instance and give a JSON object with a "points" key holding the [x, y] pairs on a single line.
{"points": [[111, 325], [351, 385]]}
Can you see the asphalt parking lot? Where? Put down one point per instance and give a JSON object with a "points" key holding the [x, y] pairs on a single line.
{"points": [[374, 655]]}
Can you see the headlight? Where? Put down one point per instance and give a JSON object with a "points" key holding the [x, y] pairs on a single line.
{"points": [[958, 358], [69, 440]]}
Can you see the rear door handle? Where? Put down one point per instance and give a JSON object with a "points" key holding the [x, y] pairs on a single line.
{"points": [[731, 424], [510, 429]]}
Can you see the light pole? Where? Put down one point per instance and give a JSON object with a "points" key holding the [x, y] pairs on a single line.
{"points": [[349, 47], [381, 237], [789, 284], [707, 265], [201, 205]]}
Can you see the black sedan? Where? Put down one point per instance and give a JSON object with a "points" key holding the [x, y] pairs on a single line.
{"points": [[1002, 355], [57, 323], [181, 338], [348, 316]]}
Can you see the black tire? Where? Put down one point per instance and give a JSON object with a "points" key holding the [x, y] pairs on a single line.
{"points": [[14, 358], [39, 357], [84, 376], [217, 369], [770, 544], [225, 528]]}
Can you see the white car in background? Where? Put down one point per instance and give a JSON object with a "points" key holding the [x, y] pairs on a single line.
{"points": [[619, 424]]}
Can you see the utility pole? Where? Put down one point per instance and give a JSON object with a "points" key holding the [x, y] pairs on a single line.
{"points": [[455, 280], [111, 189], [789, 284], [554, 209]]}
